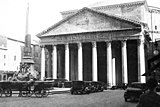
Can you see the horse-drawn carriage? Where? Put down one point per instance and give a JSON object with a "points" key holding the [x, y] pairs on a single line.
{"points": [[26, 88]]}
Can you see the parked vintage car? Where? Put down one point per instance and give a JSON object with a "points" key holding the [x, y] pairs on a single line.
{"points": [[134, 90], [79, 87], [119, 86], [101, 86], [67, 84], [95, 86]]}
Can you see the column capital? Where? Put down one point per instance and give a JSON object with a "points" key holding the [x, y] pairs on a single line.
{"points": [[54, 47], [79, 45], [108, 43], [123, 42], [54, 44], [94, 44], [42, 46], [66, 46], [139, 42]]}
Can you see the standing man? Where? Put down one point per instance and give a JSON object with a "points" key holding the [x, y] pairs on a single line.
{"points": [[150, 98]]}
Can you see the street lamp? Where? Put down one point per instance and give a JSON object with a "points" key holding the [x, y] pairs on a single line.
{"points": [[156, 51]]}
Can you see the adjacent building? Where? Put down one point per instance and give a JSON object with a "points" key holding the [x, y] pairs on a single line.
{"points": [[11, 53], [101, 42]]}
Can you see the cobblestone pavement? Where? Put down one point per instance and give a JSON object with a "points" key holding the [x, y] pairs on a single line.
{"points": [[108, 98]]}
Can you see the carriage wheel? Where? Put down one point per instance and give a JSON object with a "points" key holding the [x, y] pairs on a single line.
{"points": [[1, 91], [29, 93], [8, 92], [39, 93], [24, 93]]}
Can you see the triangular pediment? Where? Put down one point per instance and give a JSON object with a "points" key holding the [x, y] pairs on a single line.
{"points": [[88, 20]]}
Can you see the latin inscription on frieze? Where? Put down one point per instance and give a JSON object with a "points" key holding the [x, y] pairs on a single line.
{"points": [[81, 37], [93, 36], [89, 37]]}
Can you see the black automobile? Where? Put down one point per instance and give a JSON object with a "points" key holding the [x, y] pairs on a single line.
{"points": [[100, 86], [119, 86], [79, 87], [95, 86], [134, 90], [68, 84]]}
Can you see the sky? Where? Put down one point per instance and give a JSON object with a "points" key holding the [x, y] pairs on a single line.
{"points": [[42, 14]]}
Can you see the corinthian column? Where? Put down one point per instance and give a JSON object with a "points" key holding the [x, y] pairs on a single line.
{"points": [[124, 62], [94, 61], [141, 61], [109, 64], [80, 62], [42, 63], [54, 64], [67, 61]]}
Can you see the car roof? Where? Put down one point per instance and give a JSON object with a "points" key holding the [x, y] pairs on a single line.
{"points": [[137, 83]]}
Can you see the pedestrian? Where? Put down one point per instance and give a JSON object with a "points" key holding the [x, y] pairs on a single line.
{"points": [[150, 98]]}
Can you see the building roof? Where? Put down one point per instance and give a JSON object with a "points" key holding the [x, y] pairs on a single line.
{"points": [[108, 4], [85, 8], [124, 2], [116, 3]]}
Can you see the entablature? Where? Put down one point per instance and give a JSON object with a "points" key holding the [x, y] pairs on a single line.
{"points": [[91, 36]]}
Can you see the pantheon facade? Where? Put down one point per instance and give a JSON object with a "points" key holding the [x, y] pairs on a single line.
{"points": [[97, 44]]}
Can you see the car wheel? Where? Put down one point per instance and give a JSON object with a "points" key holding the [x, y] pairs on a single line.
{"points": [[8, 92], [72, 92]]}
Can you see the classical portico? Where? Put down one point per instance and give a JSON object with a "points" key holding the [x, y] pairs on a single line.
{"points": [[94, 46]]}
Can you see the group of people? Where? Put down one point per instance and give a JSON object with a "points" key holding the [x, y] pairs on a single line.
{"points": [[150, 98]]}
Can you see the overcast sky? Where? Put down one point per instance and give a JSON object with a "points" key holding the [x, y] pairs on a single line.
{"points": [[43, 14]]}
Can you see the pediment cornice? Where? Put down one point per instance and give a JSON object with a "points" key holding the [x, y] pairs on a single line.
{"points": [[115, 17]]}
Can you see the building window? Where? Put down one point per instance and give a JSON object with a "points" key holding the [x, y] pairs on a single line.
{"points": [[14, 58], [4, 64], [155, 27], [4, 56], [4, 77]]}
